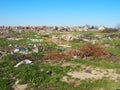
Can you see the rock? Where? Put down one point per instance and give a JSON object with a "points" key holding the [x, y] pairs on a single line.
{"points": [[88, 71]]}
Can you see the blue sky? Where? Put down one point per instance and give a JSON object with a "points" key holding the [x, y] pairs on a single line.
{"points": [[60, 12]]}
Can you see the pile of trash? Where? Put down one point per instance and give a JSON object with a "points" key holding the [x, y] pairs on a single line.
{"points": [[90, 50]]}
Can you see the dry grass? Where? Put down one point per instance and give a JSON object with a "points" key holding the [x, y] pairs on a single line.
{"points": [[57, 56]]}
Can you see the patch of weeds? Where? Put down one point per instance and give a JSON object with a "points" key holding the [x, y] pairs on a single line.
{"points": [[113, 41], [4, 42], [77, 68], [115, 51], [6, 75], [40, 79], [105, 63], [105, 83], [5, 84], [76, 44], [22, 41], [68, 68]]}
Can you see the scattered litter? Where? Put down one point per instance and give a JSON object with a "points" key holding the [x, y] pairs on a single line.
{"points": [[109, 38], [86, 40], [49, 72], [26, 61], [36, 40], [14, 38], [36, 49], [10, 45], [16, 50]]}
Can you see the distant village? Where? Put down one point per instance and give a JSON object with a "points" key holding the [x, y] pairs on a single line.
{"points": [[51, 28]]}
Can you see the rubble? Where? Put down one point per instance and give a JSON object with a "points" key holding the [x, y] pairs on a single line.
{"points": [[70, 37]]}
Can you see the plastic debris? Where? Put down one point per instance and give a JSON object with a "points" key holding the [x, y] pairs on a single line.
{"points": [[26, 61], [16, 50], [10, 45], [49, 72]]}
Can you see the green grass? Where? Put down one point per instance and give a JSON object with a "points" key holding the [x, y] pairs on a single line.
{"points": [[76, 44], [37, 79], [104, 84], [32, 75], [115, 51], [113, 41], [4, 42], [98, 62], [5, 84]]}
